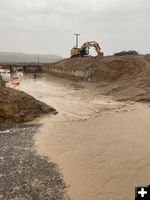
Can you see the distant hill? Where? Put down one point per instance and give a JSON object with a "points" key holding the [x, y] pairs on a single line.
{"points": [[10, 57]]}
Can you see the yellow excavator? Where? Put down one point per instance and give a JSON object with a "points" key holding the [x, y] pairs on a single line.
{"points": [[84, 50]]}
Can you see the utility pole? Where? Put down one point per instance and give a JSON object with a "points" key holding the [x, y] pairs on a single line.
{"points": [[77, 40]]}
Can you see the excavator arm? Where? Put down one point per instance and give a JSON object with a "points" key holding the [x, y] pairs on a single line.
{"points": [[84, 50], [94, 44]]}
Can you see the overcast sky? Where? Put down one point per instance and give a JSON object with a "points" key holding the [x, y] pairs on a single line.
{"points": [[47, 26]]}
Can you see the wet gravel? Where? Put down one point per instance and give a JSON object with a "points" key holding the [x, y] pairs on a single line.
{"points": [[23, 173]]}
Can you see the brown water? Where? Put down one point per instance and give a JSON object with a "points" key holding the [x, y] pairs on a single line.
{"points": [[101, 146]]}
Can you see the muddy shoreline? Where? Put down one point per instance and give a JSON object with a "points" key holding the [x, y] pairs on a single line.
{"points": [[23, 173]]}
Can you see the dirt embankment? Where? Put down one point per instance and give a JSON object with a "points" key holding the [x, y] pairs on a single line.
{"points": [[17, 106], [124, 77]]}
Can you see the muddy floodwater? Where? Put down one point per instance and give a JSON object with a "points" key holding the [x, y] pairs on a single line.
{"points": [[102, 146]]}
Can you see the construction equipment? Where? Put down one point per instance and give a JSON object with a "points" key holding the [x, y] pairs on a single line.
{"points": [[84, 50]]}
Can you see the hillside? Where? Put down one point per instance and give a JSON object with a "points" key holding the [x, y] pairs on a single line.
{"points": [[123, 77], [10, 57]]}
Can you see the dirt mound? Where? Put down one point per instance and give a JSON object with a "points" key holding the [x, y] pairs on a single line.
{"points": [[17, 106], [125, 77], [1, 82]]}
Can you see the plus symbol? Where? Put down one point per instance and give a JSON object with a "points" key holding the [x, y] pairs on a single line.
{"points": [[142, 192]]}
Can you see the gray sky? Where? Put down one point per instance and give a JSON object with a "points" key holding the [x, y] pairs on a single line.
{"points": [[47, 26]]}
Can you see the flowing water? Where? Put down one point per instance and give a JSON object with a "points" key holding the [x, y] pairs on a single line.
{"points": [[101, 146]]}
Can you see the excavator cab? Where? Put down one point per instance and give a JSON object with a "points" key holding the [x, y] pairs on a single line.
{"points": [[85, 52]]}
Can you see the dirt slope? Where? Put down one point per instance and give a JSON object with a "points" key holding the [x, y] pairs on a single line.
{"points": [[124, 77], [17, 106]]}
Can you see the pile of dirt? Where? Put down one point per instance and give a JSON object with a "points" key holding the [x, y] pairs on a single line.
{"points": [[1, 82], [124, 77], [17, 106]]}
